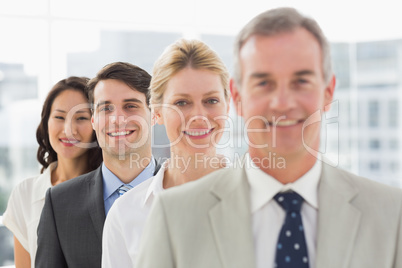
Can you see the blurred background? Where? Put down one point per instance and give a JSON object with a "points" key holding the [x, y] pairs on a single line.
{"points": [[44, 41]]}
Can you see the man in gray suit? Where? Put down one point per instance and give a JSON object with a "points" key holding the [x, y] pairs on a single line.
{"points": [[71, 224], [242, 216]]}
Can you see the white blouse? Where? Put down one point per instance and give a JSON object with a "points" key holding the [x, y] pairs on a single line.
{"points": [[25, 207]]}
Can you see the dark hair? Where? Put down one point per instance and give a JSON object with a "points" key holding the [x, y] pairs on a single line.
{"points": [[133, 76], [46, 155]]}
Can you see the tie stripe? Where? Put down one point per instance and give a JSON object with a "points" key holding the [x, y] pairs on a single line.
{"points": [[124, 189]]}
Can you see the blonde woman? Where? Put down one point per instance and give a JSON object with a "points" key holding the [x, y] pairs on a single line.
{"points": [[190, 96]]}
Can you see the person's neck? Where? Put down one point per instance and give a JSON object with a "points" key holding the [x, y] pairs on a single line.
{"points": [[183, 168], [69, 168], [285, 169], [127, 169]]}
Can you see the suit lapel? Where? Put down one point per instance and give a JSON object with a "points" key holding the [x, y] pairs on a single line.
{"points": [[338, 219], [231, 220], [96, 205]]}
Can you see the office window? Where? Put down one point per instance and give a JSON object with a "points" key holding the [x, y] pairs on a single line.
{"points": [[374, 144], [340, 53], [393, 112], [374, 165], [394, 144], [394, 166], [373, 113]]}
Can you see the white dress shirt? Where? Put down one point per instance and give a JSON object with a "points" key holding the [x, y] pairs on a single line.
{"points": [[111, 183], [125, 222], [268, 216]]}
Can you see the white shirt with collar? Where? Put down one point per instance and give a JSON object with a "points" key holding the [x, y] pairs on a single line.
{"points": [[126, 220], [268, 216], [111, 183]]}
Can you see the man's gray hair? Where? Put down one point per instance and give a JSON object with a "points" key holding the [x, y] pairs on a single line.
{"points": [[281, 20]]}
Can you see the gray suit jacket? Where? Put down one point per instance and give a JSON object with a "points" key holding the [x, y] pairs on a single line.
{"points": [[207, 223], [71, 224]]}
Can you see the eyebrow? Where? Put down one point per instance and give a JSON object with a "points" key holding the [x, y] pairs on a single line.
{"points": [[265, 75], [206, 94], [102, 103], [124, 101], [260, 75], [62, 111], [304, 72], [133, 100]]}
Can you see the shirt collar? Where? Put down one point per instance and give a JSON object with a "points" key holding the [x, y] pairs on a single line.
{"points": [[156, 185], [264, 187], [111, 182], [43, 182]]}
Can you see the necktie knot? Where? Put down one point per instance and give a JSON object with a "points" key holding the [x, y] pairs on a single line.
{"points": [[124, 188], [289, 201]]}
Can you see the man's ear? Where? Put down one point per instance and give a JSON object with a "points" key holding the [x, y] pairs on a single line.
{"points": [[228, 105], [92, 121], [329, 93], [157, 117], [234, 91]]}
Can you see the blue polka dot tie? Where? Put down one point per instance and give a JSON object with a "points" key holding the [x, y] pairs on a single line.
{"points": [[291, 249], [124, 189]]}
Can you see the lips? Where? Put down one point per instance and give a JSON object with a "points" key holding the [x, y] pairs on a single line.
{"points": [[197, 133], [120, 133], [69, 143], [285, 123]]}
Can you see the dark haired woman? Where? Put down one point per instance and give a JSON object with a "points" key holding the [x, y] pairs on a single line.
{"points": [[67, 149]]}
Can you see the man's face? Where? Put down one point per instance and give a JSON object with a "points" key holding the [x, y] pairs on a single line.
{"points": [[282, 86], [121, 119]]}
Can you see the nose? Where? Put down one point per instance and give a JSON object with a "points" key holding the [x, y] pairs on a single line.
{"points": [[282, 99], [117, 117], [70, 128], [198, 112]]}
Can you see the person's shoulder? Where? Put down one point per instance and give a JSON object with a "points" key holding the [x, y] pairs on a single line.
{"points": [[134, 197], [77, 183], [25, 189], [26, 184], [376, 189], [222, 178], [370, 188]]}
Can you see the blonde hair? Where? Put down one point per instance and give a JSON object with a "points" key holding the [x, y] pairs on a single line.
{"points": [[180, 55]]}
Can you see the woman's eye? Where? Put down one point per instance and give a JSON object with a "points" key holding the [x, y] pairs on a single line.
{"points": [[180, 103], [82, 118], [212, 101], [59, 117]]}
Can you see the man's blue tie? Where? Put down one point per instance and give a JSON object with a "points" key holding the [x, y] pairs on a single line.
{"points": [[291, 249], [124, 188]]}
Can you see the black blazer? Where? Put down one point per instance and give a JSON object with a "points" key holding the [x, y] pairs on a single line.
{"points": [[71, 224]]}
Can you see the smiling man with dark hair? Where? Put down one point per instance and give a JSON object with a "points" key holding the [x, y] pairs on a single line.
{"points": [[71, 225]]}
